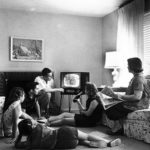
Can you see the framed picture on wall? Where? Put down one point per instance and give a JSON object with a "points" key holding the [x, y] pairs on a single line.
{"points": [[26, 49]]}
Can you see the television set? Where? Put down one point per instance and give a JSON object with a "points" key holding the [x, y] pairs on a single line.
{"points": [[73, 82]]}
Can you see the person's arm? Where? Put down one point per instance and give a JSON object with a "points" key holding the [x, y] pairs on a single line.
{"points": [[52, 87], [37, 106], [15, 118], [92, 107], [53, 90], [80, 106], [134, 97], [137, 86], [25, 116]]}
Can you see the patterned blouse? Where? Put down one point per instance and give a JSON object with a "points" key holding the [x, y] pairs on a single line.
{"points": [[8, 117]]}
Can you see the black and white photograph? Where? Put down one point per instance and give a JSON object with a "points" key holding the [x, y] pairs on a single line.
{"points": [[75, 74], [26, 49]]}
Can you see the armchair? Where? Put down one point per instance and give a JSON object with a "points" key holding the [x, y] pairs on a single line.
{"points": [[136, 125]]}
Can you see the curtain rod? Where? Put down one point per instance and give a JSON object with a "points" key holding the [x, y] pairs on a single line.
{"points": [[125, 3]]}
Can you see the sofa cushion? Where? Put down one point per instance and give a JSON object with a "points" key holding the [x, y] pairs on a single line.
{"points": [[137, 129], [143, 114]]}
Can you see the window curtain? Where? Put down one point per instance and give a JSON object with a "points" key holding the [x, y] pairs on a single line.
{"points": [[147, 43], [129, 36]]}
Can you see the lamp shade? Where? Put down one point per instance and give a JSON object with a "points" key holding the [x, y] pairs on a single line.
{"points": [[112, 60]]}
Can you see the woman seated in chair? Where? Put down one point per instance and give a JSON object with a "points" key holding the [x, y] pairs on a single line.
{"points": [[137, 96]]}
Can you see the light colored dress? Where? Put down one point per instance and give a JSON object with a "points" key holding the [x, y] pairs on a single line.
{"points": [[8, 117]]}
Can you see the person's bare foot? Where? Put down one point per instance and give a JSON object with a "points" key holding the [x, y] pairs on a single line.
{"points": [[103, 144], [115, 142]]}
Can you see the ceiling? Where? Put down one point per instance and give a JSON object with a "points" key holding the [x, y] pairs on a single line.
{"points": [[93, 8]]}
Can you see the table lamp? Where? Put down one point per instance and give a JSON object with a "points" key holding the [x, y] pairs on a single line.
{"points": [[112, 61]]}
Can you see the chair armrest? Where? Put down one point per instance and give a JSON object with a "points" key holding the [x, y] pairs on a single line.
{"points": [[143, 114]]}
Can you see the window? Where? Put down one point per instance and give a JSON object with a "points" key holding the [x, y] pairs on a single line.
{"points": [[147, 39]]}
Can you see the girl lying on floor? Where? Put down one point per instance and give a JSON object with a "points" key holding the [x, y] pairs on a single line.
{"points": [[41, 136]]}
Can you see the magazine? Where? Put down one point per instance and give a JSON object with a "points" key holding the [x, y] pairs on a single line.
{"points": [[108, 98]]}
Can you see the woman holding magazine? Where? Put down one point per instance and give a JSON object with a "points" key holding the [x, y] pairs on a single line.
{"points": [[136, 97]]}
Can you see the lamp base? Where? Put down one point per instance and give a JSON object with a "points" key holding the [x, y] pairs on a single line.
{"points": [[115, 75]]}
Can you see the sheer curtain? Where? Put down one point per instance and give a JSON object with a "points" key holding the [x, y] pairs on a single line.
{"points": [[129, 36]]}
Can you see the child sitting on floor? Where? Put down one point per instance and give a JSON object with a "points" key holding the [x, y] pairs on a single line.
{"points": [[12, 111]]}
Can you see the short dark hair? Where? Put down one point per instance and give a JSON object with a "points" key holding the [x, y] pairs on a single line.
{"points": [[45, 71], [31, 86], [25, 127], [135, 64]]}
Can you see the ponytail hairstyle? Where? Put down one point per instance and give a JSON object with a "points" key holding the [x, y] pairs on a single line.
{"points": [[31, 86]]}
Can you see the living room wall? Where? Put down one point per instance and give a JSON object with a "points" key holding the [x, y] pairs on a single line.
{"points": [[109, 37], [71, 43]]}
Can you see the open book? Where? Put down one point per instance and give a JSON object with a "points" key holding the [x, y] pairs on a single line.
{"points": [[108, 98]]}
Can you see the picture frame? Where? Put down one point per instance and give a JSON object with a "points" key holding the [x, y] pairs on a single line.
{"points": [[26, 49]]}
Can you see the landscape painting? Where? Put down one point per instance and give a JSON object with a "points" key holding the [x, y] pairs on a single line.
{"points": [[26, 49]]}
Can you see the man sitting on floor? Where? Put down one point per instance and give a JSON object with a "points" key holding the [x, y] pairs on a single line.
{"points": [[46, 86]]}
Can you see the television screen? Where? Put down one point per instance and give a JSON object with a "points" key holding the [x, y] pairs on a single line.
{"points": [[71, 80]]}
